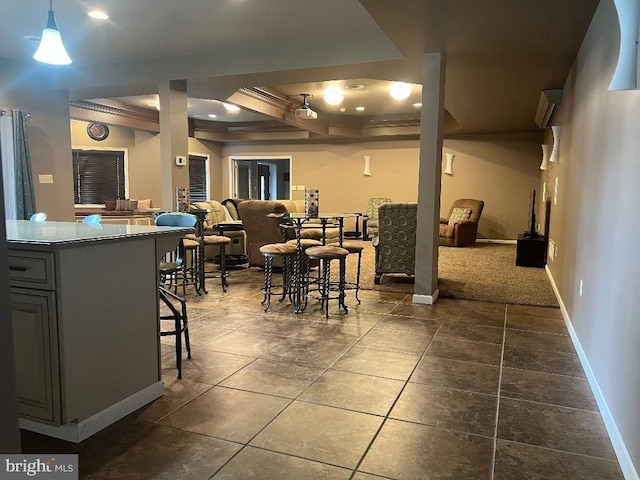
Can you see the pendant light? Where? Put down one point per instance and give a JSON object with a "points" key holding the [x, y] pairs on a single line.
{"points": [[51, 49]]}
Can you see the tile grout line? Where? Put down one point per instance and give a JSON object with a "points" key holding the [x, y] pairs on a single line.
{"points": [[279, 413], [386, 417], [495, 431]]}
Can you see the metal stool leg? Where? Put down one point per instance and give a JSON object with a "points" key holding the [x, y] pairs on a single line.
{"points": [[268, 274]]}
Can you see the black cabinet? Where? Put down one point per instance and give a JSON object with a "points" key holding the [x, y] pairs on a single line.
{"points": [[531, 251]]}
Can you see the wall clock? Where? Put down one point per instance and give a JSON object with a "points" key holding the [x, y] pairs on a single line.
{"points": [[97, 131]]}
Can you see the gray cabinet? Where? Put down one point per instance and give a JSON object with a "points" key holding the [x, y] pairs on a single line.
{"points": [[36, 354], [35, 335]]}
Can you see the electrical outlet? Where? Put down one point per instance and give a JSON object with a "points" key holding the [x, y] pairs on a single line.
{"points": [[45, 178]]}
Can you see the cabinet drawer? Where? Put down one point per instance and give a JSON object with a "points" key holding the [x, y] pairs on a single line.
{"points": [[31, 269]]}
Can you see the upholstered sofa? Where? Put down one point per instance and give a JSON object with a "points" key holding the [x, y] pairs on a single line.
{"points": [[219, 214], [262, 221], [460, 227], [395, 245]]}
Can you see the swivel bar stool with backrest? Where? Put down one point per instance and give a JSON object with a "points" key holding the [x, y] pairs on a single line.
{"points": [[176, 271], [176, 267], [93, 219], [38, 217]]}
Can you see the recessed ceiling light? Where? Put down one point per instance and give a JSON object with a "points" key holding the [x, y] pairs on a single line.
{"points": [[97, 14], [417, 105], [343, 110], [212, 115], [333, 95], [231, 108], [400, 90], [360, 109], [354, 86]]}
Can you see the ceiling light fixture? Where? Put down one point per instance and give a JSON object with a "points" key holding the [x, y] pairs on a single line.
{"points": [[212, 115], [400, 90], [360, 109], [51, 49], [231, 108], [333, 96], [97, 14], [417, 105]]}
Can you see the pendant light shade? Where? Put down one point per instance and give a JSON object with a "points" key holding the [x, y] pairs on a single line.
{"points": [[51, 49], [625, 76]]}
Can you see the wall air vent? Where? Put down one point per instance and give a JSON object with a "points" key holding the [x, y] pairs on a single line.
{"points": [[549, 102]]}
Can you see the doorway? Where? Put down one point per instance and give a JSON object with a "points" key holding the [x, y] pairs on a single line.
{"points": [[261, 178]]}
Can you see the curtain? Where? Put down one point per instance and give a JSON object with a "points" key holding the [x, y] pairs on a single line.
{"points": [[8, 166], [25, 197]]}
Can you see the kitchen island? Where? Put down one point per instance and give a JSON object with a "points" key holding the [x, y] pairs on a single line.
{"points": [[84, 304]]}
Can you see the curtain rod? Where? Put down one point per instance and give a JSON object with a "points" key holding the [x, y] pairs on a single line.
{"points": [[5, 111]]}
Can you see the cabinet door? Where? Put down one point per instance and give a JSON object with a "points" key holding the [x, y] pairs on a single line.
{"points": [[36, 354]]}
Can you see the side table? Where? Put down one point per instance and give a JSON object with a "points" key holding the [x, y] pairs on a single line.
{"points": [[229, 259]]}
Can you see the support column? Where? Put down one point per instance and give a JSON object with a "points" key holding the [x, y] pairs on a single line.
{"points": [[174, 139], [431, 126]]}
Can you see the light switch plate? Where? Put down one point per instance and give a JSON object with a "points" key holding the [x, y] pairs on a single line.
{"points": [[45, 178]]}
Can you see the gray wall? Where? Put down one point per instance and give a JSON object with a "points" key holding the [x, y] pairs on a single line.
{"points": [[595, 227]]}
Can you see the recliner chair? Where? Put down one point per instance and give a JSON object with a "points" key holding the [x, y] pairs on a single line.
{"points": [[460, 228]]}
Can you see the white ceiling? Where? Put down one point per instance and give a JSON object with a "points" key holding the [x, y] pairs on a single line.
{"points": [[499, 54]]}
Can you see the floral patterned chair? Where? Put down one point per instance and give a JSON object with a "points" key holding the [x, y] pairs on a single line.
{"points": [[396, 241]]}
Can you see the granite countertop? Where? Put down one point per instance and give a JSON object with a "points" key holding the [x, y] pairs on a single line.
{"points": [[25, 232]]}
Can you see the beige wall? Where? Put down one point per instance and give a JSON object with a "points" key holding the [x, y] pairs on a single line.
{"points": [[49, 135], [594, 227], [501, 170], [143, 154]]}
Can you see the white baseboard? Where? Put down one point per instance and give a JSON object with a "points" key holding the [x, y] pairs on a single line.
{"points": [[77, 432], [426, 299], [496, 240], [624, 459]]}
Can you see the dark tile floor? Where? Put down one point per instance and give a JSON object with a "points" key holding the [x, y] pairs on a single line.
{"points": [[458, 390]]}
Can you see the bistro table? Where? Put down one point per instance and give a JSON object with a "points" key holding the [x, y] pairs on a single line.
{"points": [[299, 281]]}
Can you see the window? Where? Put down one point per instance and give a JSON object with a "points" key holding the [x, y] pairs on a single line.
{"points": [[198, 191], [99, 175]]}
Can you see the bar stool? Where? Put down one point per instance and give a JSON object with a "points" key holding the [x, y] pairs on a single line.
{"points": [[300, 275], [287, 253], [192, 248], [221, 241], [180, 323], [354, 248], [324, 254]]}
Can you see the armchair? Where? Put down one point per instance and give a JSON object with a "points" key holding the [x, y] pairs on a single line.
{"points": [[460, 228], [262, 219], [395, 244], [370, 222]]}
